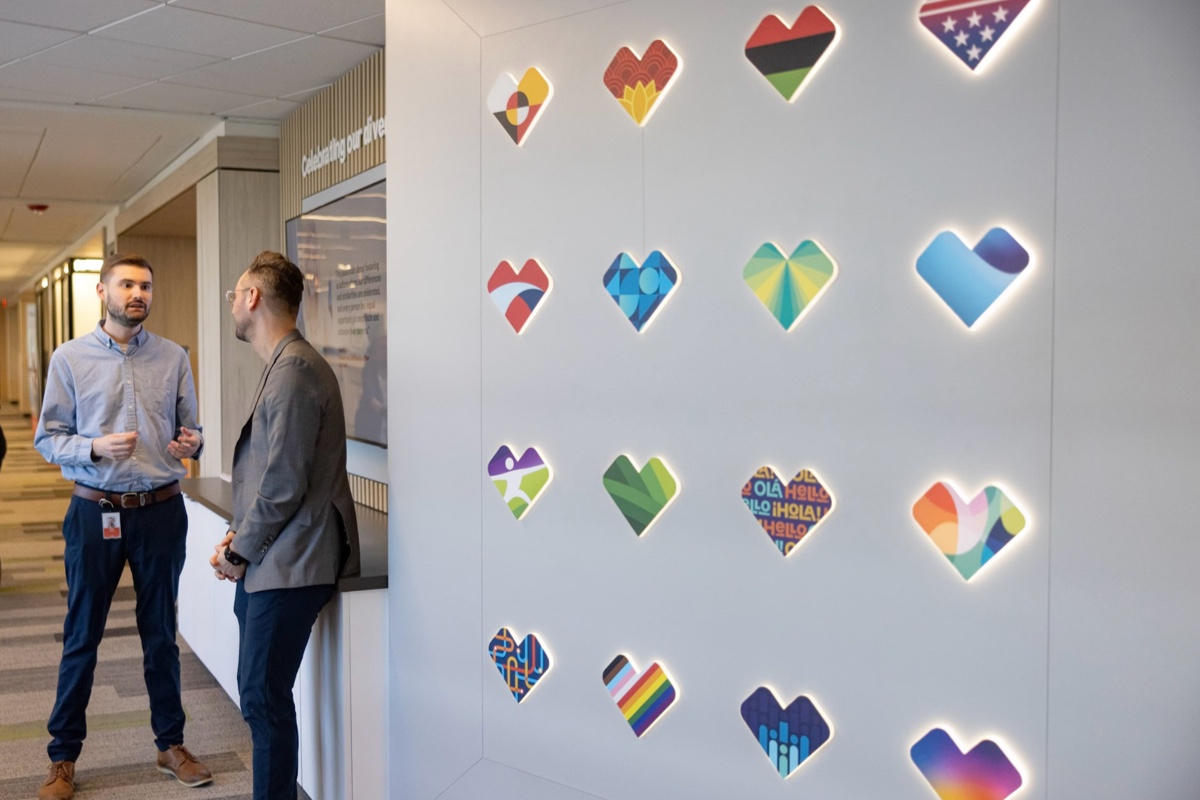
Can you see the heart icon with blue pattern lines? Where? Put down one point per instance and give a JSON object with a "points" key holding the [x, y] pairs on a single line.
{"points": [[640, 290]]}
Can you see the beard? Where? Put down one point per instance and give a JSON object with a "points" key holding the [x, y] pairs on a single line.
{"points": [[240, 326], [130, 316]]}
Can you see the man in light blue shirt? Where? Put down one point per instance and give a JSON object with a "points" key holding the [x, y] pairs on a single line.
{"points": [[119, 415]]}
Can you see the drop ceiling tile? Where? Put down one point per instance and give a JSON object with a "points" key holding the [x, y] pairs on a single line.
{"points": [[310, 17], [19, 261], [164, 96], [18, 41], [372, 30], [487, 17], [101, 151], [73, 15], [62, 222], [274, 110], [300, 97], [17, 149], [76, 84], [118, 58], [285, 70], [194, 32], [33, 96]]}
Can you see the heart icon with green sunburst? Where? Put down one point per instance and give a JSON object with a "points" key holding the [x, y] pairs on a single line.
{"points": [[789, 285], [641, 495]]}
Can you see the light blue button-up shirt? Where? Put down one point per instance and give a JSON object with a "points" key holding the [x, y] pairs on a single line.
{"points": [[94, 389]]}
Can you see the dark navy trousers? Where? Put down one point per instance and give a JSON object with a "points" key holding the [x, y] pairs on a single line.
{"points": [[153, 541], [274, 627]]}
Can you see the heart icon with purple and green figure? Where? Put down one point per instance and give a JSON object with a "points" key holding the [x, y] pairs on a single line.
{"points": [[520, 481], [970, 280]]}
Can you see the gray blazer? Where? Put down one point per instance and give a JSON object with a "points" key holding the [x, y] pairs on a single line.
{"points": [[292, 511]]}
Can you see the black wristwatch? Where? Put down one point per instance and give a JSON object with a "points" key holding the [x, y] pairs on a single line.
{"points": [[233, 558]]}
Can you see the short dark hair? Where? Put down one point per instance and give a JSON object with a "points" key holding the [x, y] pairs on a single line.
{"points": [[126, 259], [280, 281]]}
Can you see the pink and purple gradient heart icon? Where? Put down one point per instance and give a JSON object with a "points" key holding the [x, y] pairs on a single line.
{"points": [[983, 773]]}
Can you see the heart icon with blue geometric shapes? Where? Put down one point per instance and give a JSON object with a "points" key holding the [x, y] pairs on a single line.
{"points": [[640, 290]]}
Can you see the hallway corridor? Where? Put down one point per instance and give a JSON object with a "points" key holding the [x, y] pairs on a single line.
{"points": [[118, 756]]}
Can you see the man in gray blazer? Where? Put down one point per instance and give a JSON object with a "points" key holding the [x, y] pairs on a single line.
{"points": [[294, 531]]}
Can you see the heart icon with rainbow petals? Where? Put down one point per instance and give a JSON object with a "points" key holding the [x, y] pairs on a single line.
{"points": [[787, 512], [518, 294], [640, 83], [971, 280], [517, 106], [641, 495], [968, 533], [785, 55], [643, 698], [520, 481], [787, 735], [522, 664], [640, 290], [789, 285], [983, 773]]}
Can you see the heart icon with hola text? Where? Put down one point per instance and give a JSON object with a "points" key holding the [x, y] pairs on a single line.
{"points": [[639, 83], [971, 280], [787, 735], [640, 495], [520, 481], [521, 664], [785, 55], [789, 285], [983, 773], [642, 698], [517, 106], [640, 290], [788, 512], [517, 294], [968, 533]]}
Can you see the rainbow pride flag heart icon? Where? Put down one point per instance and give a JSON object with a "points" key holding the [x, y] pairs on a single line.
{"points": [[786, 56], [969, 534], [788, 512], [970, 281], [983, 773], [787, 735], [642, 495], [517, 294], [640, 291], [520, 481], [640, 83], [517, 106], [789, 285], [521, 664], [970, 29], [642, 698]]}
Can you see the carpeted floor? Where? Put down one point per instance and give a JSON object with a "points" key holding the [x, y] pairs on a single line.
{"points": [[118, 756]]}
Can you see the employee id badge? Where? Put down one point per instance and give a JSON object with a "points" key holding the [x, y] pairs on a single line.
{"points": [[110, 522]]}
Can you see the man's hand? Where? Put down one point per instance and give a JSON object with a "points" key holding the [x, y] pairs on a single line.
{"points": [[185, 444], [222, 568], [115, 446]]}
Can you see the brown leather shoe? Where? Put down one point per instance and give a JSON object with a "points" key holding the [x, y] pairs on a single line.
{"points": [[178, 762], [60, 783]]}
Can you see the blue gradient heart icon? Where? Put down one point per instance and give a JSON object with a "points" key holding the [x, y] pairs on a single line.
{"points": [[970, 281]]}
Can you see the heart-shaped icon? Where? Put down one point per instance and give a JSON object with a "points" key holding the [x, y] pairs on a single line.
{"points": [[518, 105], [517, 294], [639, 291], [520, 481], [639, 83], [969, 534], [787, 735], [789, 285], [984, 773], [640, 495], [786, 56], [970, 281], [970, 28], [787, 513], [642, 698], [522, 664]]}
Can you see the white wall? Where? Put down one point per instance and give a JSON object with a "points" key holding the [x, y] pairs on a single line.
{"points": [[879, 389]]}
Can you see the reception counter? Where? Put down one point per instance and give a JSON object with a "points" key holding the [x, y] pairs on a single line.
{"points": [[341, 690]]}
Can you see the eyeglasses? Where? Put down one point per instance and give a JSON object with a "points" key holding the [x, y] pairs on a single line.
{"points": [[232, 294]]}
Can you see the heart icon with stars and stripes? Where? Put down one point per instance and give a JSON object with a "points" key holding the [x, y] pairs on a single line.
{"points": [[971, 29]]}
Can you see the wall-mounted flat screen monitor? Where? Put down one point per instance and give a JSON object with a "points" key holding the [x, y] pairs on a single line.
{"points": [[341, 248]]}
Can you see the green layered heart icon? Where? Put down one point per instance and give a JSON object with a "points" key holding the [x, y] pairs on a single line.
{"points": [[641, 495]]}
